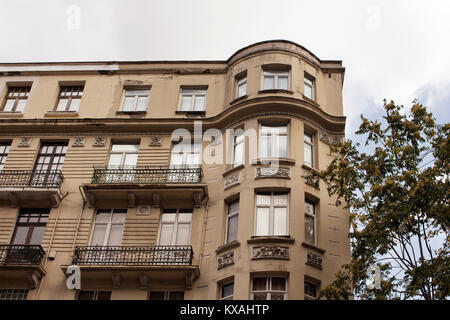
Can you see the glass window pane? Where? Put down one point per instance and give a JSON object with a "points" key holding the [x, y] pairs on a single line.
{"points": [[199, 103], [278, 284], [310, 289], [130, 160], [308, 92], [165, 238], [309, 208], [282, 146], [242, 89], [75, 104], [309, 229], [103, 215], [263, 199], [183, 234], [232, 228], [21, 105], [119, 217], [308, 138], [265, 146], [262, 221], [185, 217], [128, 104], [259, 284], [283, 83], [308, 154], [233, 206], [125, 148], [308, 82], [86, 295], [227, 290], [280, 221], [176, 295], [98, 237], [115, 235], [21, 235], [114, 160], [157, 295], [185, 103], [167, 216], [104, 295], [269, 82], [62, 104], [238, 154], [280, 199], [277, 296], [142, 104], [9, 105], [37, 235]]}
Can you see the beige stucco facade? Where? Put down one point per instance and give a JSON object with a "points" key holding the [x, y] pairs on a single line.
{"points": [[99, 123]]}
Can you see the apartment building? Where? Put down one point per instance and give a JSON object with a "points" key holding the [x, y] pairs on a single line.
{"points": [[95, 173]]}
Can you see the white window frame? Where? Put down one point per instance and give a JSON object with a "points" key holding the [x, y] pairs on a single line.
{"points": [[273, 142], [269, 290], [230, 297], [229, 216], [123, 154], [277, 73], [195, 148], [4, 152], [175, 227], [310, 82], [127, 92], [65, 93], [272, 207], [238, 139], [241, 81], [16, 94], [312, 215], [193, 93], [108, 224], [311, 145]]}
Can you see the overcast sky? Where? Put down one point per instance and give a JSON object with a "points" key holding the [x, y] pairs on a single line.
{"points": [[394, 49]]}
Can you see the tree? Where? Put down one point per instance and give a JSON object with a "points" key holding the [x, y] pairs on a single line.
{"points": [[398, 198]]}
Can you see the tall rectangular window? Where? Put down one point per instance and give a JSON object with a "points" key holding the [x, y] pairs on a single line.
{"points": [[272, 210], [309, 83], [123, 156], [238, 148], [108, 227], [227, 291], [94, 295], [310, 222], [273, 141], [69, 98], [192, 100], [311, 290], [16, 99], [30, 226], [308, 149], [4, 150], [175, 227], [232, 221], [166, 295], [49, 163], [275, 79], [135, 100], [241, 83], [268, 288], [13, 294]]}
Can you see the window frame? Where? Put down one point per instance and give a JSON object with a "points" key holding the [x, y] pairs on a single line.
{"points": [[311, 145], [272, 213], [78, 96], [314, 217], [136, 98], [16, 293], [222, 286], [236, 143], [195, 148], [242, 80], [108, 224], [269, 291], [312, 86], [273, 140], [175, 225], [228, 217], [314, 283], [276, 73], [11, 90], [123, 155], [195, 92]]}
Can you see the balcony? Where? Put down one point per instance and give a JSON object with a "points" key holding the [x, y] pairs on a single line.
{"points": [[21, 264], [33, 187], [138, 264], [143, 185]]}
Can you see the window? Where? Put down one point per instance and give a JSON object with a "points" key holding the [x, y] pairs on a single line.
{"points": [[94, 295], [175, 228], [135, 100], [4, 150], [268, 288], [226, 291], [69, 98], [272, 214], [123, 156], [16, 99], [232, 221], [49, 163], [309, 86], [308, 149], [166, 295], [30, 226], [241, 83], [13, 294], [193, 100], [275, 79], [238, 148], [310, 290], [273, 141], [185, 155], [310, 222], [108, 227]]}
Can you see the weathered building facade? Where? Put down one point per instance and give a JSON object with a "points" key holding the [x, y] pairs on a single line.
{"points": [[92, 175]]}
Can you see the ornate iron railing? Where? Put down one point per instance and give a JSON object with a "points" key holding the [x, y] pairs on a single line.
{"points": [[33, 178], [21, 254], [133, 256], [146, 175]]}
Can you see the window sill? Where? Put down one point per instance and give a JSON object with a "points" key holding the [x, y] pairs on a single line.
{"points": [[308, 168], [57, 114], [232, 169], [238, 99], [228, 246], [276, 91], [191, 113], [143, 113], [271, 239], [11, 114], [285, 161], [313, 247]]}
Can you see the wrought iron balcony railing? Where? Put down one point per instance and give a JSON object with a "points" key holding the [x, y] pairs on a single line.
{"points": [[146, 175], [133, 256], [33, 178], [21, 254]]}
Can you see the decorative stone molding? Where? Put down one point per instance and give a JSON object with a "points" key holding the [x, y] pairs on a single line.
{"points": [[309, 180], [270, 252], [25, 142], [155, 141], [314, 260], [99, 142], [330, 139], [197, 199], [78, 142], [280, 172], [232, 181], [225, 260]]}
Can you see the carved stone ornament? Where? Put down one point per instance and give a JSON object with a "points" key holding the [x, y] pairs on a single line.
{"points": [[231, 181], [155, 141], [330, 139], [78, 142], [314, 260], [270, 252], [280, 172], [314, 182], [99, 142], [25, 142], [225, 260]]}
